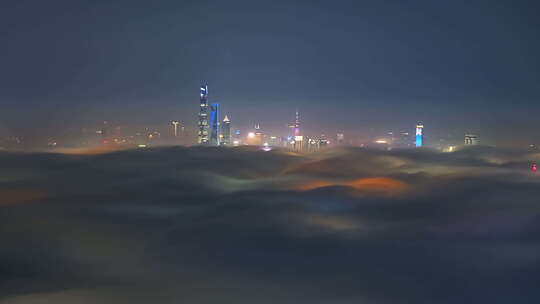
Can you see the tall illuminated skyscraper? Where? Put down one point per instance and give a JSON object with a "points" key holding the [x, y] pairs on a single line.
{"points": [[226, 132], [214, 124], [203, 116], [298, 140], [297, 124], [175, 127], [419, 135]]}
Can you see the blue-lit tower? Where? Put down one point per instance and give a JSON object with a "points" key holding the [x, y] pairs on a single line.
{"points": [[203, 116], [214, 124], [419, 135]]}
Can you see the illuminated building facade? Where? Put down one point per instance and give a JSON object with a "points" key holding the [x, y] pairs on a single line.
{"points": [[226, 132], [236, 141], [214, 124], [471, 139], [175, 128], [296, 141], [203, 138], [256, 138], [316, 144], [419, 135], [297, 124]]}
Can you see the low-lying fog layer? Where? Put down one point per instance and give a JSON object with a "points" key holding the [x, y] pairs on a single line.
{"points": [[208, 225]]}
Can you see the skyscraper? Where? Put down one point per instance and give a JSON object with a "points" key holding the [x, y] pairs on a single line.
{"points": [[419, 135], [175, 127], [226, 132], [297, 124], [203, 116], [259, 135], [214, 124]]}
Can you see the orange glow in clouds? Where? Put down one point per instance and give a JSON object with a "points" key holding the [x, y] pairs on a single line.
{"points": [[316, 184], [13, 197], [383, 185], [378, 184], [93, 150]]}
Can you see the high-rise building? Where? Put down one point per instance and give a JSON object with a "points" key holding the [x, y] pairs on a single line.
{"points": [[203, 116], [419, 135], [105, 133], [323, 141], [175, 128], [259, 135], [471, 139], [340, 138], [237, 138], [226, 132], [297, 124], [214, 124]]}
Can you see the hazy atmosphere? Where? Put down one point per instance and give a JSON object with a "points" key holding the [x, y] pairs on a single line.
{"points": [[352, 66], [269, 152]]}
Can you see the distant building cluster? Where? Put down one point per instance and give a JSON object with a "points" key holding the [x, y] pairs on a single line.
{"points": [[213, 128], [212, 131]]}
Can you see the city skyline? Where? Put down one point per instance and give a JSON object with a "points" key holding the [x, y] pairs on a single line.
{"points": [[275, 124], [269, 152], [209, 132]]}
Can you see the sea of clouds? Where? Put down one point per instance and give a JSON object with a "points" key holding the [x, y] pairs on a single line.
{"points": [[209, 225]]}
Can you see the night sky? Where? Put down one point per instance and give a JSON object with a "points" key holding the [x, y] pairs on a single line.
{"points": [[348, 66]]}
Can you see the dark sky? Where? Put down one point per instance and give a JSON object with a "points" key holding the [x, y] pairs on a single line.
{"points": [[347, 65]]}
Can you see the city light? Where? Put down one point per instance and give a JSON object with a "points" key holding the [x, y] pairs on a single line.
{"points": [[349, 152], [450, 149], [419, 135], [175, 125]]}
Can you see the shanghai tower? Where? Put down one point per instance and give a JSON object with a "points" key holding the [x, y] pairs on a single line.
{"points": [[203, 116]]}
